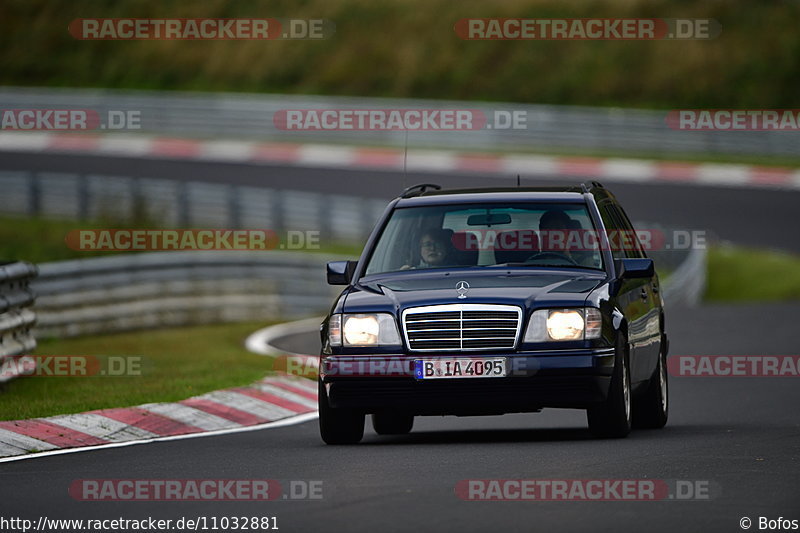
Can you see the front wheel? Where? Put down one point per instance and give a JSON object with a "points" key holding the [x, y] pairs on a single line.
{"points": [[612, 418], [338, 426]]}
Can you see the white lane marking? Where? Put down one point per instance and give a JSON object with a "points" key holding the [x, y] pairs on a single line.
{"points": [[261, 341], [529, 165], [283, 393], [26, 141], [431, 160], [300, 383], [711, 174], [795, 179], [248, 404], [125, 145], [190, 416], [16, 443], [628, 170], [227, 150], [101, 426], [299, 419], [341, 156], [320, 155]]}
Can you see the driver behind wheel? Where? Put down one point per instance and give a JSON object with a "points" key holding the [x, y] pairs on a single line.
{"points": [[553, 226], [561, 235]]}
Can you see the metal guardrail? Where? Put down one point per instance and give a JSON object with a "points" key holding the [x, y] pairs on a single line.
{"points": [[548, 127], [687, 283], [144, 290], [173, 203], [16, 317], [140, 291]]}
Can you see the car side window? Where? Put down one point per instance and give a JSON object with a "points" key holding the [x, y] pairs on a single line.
{"points": [[613, 229], [628, 240]]}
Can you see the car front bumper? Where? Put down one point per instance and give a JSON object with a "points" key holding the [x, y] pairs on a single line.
{"points": [[568, 379]]}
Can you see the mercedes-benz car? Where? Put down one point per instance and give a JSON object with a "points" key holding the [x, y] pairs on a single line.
{"points": [[493, 301]]}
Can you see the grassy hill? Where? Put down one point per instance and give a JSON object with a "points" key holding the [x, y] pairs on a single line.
{"points": [[408, 48]]}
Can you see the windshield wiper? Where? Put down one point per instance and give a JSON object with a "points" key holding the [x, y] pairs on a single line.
{"points": [[548, 265]]}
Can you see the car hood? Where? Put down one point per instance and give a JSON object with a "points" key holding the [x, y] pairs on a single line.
{"points": [[526, 289]]}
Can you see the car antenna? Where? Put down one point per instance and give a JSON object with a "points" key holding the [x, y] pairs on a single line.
{"points": [[517, 180], [405, 160]]}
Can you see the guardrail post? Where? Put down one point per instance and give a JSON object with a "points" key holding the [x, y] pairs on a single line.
{"points": [[16, 319]]}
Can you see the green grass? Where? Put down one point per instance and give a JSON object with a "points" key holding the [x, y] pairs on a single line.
{"points": [[38, 239], [408, 48], [176, 364], [751, 275]]}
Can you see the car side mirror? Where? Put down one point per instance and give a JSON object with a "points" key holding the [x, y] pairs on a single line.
{"points": [[341, 272], [635, 268]]}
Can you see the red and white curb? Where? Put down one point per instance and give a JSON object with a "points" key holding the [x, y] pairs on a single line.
{"points": [[271, 402], [335, 156]]}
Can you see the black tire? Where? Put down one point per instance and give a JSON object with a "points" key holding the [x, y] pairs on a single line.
{"points": [[651, 410], [392, 423], [612, 418], [338, 426]]}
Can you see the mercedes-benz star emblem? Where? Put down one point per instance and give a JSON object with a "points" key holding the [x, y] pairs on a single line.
{"points": [[462, 287]]}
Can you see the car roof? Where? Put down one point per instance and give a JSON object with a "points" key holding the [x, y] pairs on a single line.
{"points": [[496, 194], [432, 194]]}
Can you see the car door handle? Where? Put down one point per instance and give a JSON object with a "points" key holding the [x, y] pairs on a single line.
{"points": [[644, 293]]}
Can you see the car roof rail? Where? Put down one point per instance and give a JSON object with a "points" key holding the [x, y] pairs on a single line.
{"points": [[592, 185], [420, 188]]}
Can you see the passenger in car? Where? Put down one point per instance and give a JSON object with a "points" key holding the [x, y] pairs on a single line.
{"points": [[435, 249]]}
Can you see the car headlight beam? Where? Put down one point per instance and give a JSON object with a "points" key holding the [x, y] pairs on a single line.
{"points": [[546, 325], [567, 325], [374, 329]]}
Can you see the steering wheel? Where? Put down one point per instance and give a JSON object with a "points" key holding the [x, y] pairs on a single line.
{"points": [[556, 255]]}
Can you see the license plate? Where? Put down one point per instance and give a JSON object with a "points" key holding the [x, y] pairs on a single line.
{"points": [[450, 368]]}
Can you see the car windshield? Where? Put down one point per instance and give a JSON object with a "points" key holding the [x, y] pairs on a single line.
{"points": [[541, 234]]}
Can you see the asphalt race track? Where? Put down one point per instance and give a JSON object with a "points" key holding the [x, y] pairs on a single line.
{"points": [[739, 436], [756, 217]]}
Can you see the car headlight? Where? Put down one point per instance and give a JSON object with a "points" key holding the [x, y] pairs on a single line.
{"points": [[564, 325], [377, 329]]}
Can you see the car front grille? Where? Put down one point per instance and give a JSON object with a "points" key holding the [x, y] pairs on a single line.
{"points": [[462, 327]]}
